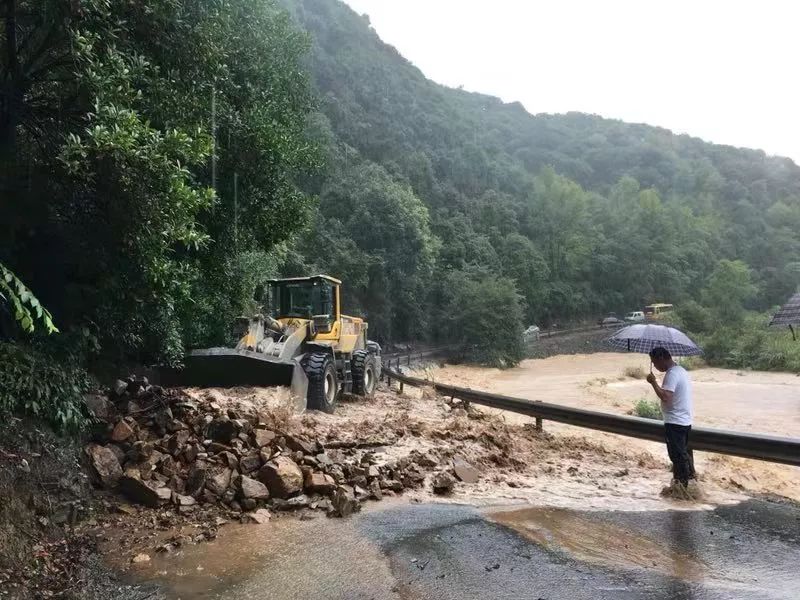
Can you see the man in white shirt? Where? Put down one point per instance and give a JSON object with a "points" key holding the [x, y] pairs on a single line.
{"points": [[675, 394]]}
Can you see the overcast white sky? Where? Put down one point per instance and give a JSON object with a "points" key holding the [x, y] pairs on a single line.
{"points": [[726, 72]]}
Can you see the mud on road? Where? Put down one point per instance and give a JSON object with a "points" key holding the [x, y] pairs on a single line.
{"points": [[748, 401]]}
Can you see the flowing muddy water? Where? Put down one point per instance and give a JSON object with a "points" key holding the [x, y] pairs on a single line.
{"points": [[754, 402]]}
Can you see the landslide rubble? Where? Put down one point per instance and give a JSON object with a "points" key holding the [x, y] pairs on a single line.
{"points": [[187, 450]]}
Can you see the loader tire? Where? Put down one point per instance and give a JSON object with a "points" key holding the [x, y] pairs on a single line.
{"points": [[365, 375], [323, 384]]}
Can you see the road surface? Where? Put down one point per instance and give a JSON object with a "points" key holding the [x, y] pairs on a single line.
{"points": [[417, 551]]}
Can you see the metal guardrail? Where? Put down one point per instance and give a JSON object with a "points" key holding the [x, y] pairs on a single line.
{"points": [[761, 447]]}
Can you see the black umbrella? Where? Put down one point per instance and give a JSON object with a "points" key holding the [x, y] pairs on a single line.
{"points": [[643, 338], [789, 314]]}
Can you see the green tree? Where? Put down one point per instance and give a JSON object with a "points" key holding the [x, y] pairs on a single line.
{"points": [[728, 290], [484, 315]]}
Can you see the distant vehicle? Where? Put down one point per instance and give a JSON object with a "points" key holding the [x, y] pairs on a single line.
{"points": [[612, 322], [657, 311], [636, 316], [531, 333], [611, 315]]}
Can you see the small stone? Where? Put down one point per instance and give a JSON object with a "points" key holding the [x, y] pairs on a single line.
{"points": [[196, 480], [263, 437], [140, 558], [324, 460], [464, 470], [299, 444], [176, 425], [190, 453], [177, 442], [222, 429], [260, 516], [250, 462], [230, 459], [360, 493], [120, 387], [373, 471], [122, 431], [300, 501], [168, 466], [391, 484], [343, 502], [217, 448], [182, 500], [375, 489], [319, 483], [443, 483], [218, 482], [248, 503], [139, 491]]}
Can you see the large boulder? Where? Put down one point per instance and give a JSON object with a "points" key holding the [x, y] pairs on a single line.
{"points": [[143, 493], [282, 476], [105, 464], [250, 488]]}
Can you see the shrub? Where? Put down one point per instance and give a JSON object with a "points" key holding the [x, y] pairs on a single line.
{"points": [[634, 372], [648, 409], [752, 345], [32, 382]]}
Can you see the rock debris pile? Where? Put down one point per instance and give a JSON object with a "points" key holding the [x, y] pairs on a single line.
{"points": [[166, 448]]}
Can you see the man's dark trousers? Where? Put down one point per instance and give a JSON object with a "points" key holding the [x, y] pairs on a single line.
{"points": [[679, 453]]}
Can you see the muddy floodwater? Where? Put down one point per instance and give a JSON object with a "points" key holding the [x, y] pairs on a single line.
{"points": [[748, 401], [419, 551]]}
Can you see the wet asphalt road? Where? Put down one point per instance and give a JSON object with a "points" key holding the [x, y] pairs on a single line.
{"points": [[744, 551]]}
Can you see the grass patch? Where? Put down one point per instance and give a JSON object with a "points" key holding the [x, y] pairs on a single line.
{"points": [[692, 363], [635, 372], [648, 409]]}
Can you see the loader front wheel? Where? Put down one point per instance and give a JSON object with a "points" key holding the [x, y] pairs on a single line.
{"points": [[365, 375], [323, 384]]}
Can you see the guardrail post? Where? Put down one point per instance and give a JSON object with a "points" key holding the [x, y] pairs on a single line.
{"points": [[538, 423], [401, 387], [408, 361]]}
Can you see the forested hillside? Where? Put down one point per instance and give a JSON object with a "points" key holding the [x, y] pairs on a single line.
{"points": [[427, 186], [160, 160]]}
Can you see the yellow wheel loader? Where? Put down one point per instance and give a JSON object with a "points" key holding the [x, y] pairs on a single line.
{"points": [[302, 341]]}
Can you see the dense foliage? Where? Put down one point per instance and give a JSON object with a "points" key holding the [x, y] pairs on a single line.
{"points": [[583, 214], [159, 160], [149, 152]]}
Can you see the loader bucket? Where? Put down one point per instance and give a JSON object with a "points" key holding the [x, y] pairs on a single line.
{"points": [[228, 367]]}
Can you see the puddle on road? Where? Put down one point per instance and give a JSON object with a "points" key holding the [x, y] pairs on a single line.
{"points": [[273, 560], [604, 544]]}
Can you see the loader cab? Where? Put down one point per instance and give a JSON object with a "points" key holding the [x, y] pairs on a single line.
{"points": [[313, 299]]}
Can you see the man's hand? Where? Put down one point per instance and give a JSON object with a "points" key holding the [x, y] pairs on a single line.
{"points": [[651, 379]]}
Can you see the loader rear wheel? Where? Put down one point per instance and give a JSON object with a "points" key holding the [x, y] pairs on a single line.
{"points": [[365, 374], [323, 384]]}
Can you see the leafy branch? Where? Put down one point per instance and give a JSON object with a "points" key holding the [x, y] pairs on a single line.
{"points": [[27, 309]]}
